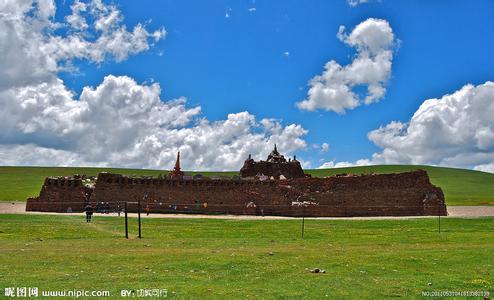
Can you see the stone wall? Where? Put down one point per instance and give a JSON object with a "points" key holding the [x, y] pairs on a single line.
{"points": [[404, 194], [60, 195]]}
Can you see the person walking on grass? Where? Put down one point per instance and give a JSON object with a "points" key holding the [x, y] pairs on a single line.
{"points": [[89, 213], [147, 209]]}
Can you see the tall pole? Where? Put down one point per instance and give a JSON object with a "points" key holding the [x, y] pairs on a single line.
{"points": [[139, 215], [126, 222], [303, 226], [439, 216]]}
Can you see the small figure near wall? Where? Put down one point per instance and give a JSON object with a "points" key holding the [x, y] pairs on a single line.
{"points": [[89, 213]]}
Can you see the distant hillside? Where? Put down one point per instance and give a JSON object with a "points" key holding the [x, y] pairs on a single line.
{"points": [[461, 187]]}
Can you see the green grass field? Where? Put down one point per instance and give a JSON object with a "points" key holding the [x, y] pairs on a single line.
{"points": [[461, 187], [231, 258]]}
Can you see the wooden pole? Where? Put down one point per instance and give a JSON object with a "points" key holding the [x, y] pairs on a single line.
{"points": [[139, 215], [126, 222], [439, 216]]}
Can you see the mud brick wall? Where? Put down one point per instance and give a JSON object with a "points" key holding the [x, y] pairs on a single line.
{"points": [[60, 194], [404, 194], [165, 195]]}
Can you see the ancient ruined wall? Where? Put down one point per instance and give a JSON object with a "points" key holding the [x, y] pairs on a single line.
{"points": [[401, 194], [221, 196], [60, 194], [370, 195]]}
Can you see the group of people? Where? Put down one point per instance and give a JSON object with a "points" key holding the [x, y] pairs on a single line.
{"points": [[101, 207], [105, 208]]}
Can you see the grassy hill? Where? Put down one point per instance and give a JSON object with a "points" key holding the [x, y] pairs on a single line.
{"points": [[461, 187]]}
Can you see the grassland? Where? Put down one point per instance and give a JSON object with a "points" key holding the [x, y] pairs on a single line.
{"points": [[461, 187], [255, 258]]}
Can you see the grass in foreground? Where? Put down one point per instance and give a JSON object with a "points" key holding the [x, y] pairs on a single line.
{"points": [[460, 187], [231, 258]]}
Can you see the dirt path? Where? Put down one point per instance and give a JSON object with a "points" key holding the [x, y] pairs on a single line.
{"points": [[453, 211], [471, 211]]}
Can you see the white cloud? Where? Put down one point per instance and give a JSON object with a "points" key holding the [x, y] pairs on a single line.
{"points": [[485, 168], [32, 52], [456, 130], [325, 147], [32, 155], [286, 53], [333, 90], [113, 38], [76, 19], [344, 164], [122, 123], [252, 9], [354, 3], [119, 122], [327, 165]]}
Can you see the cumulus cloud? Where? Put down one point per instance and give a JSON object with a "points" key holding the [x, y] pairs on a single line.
{"points": [[455, 130], [325, 147], [118, 123], [334, 89], [113, 38], [122, 123], [32, 52]]}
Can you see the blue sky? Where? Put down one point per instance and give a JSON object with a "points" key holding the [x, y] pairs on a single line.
{"points": [[226, 57], [238, 63]]}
